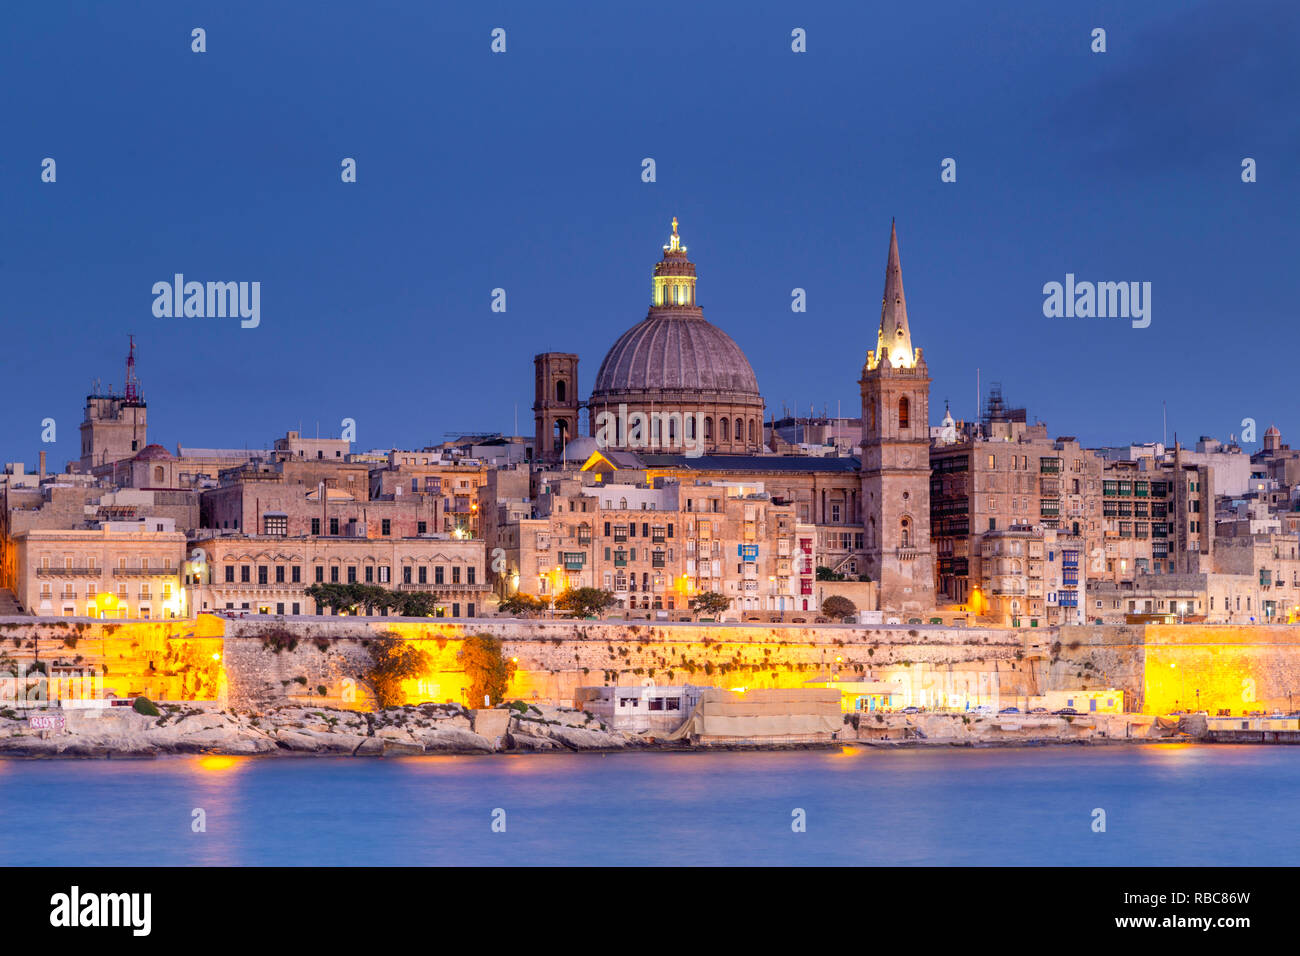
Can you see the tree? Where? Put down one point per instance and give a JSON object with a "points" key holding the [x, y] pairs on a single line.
{"points": [[710, 602], [520, 605], [486, 668], [585, 602], [826, 574], [413, 603], [839, 606], [349, 597], [392, 661]]}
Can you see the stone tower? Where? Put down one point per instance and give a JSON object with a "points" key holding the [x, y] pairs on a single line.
{"points": [[555, 404], [895, 387], [114, 427]]}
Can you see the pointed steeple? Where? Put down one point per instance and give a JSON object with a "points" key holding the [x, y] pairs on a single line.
{"points": [[894, 341]]}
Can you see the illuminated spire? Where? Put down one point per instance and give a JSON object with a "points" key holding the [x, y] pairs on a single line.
{"points": [[675, 241], [674, 281], [894, 341]]}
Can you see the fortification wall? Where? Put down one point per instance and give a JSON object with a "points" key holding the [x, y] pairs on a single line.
{"points": [[244, 664]]}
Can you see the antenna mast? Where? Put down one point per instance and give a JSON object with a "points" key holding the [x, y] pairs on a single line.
{"points": [[132, 383]]}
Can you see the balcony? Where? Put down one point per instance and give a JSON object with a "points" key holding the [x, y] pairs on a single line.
{"points": [[86, 572], [144, 572]]}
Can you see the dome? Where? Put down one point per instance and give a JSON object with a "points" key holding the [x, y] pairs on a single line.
{"points": [[581, 448], [672, 351], [155, 453]]}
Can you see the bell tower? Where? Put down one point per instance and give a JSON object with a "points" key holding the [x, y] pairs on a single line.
{"points": [[895, 388], [555, 404]]}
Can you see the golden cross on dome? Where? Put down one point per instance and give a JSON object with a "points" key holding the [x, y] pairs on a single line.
{"points": [[674, 225]]}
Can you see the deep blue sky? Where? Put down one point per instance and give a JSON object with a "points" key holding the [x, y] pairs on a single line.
{"points": [[522, 171]]}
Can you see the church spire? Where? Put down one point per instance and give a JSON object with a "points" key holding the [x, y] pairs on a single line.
{"points": [[894, 341]]}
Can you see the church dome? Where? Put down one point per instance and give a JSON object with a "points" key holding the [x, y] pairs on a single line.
{"points": [[671, 351], [155, 452], [674, 348]]}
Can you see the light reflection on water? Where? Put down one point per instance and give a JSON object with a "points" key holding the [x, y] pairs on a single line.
{"points": [[1174, 804]]}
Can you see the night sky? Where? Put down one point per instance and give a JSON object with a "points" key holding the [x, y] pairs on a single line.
{"points": [[522, 170]]}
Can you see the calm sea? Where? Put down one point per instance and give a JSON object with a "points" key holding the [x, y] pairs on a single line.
{"points": [[1167, 804]]}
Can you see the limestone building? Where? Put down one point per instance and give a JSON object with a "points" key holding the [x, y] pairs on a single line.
{"points": [[114, 426], [269, 574], [895, 388], [117, 569]]}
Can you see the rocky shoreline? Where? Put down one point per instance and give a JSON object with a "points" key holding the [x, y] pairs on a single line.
{"points": [[449, 729], [297, 730]]}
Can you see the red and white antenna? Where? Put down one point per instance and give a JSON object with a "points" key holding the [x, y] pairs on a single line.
{"points": [[132, 383]]}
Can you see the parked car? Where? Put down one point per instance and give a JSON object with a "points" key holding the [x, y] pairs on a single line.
{"points": [[1065, 712], [1009, 710], [911, 710], [1039, 710]]}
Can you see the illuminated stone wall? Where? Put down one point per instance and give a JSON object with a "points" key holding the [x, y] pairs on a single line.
{"points": [[1159, 667], [161, 660], [555, 658]]}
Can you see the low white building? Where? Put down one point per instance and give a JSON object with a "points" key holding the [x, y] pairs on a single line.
{"points": [[638, 709]]}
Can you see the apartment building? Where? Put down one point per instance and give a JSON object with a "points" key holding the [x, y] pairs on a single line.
{"points": [[269, 574], [118, 569]]}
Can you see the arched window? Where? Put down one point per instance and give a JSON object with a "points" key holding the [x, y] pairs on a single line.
{"points": [[904, 410], [708, 429], [724, 429], [672, 431], [740, 430], [158, 473], [690, 427], [559, 390], [751, 431], [905, 530]]}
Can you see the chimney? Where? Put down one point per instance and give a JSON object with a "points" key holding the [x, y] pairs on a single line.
{"points": [[42, 478]]}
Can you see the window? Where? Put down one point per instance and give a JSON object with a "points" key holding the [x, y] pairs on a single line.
{"points": [[904, 412], [455, 574], [470, 577], [275, 524], [370, 574], [386, 527], [352, 574], [261, 574], [230, 574], [244, 574], [423, 574], [383, 573], [296, 577], [334, 526], [279, 574], [422, 527], [438, 575], [320, 574], [406, 574], [315, 526], [334, 574]]}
